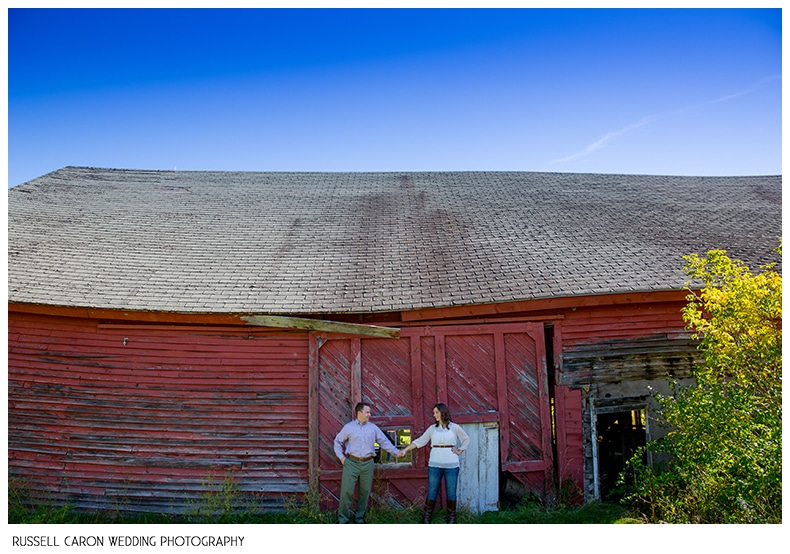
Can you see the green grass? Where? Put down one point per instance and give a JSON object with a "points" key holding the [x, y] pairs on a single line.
{"points": [[221, 500], [593, 513]]}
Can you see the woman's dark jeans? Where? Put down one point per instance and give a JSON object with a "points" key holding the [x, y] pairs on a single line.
{"points": [[450, 482]]}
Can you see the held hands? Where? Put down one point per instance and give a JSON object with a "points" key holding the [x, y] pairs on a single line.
{"points": [[401, 453]]}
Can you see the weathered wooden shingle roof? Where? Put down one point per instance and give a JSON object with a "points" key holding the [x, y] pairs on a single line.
{"points": [[243, 242]]}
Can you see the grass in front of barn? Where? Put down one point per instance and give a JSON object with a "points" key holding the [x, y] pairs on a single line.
{"points": [[220, 505], [593, 513]]}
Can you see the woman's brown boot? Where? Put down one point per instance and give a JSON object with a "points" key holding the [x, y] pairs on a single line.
{"points": [[428, 511], [451, 505]]}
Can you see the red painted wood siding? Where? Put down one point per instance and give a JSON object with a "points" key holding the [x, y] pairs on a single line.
{"points": [[151, 418], [570, 449], [628, 321]]}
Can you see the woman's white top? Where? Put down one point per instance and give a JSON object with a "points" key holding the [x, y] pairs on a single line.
{"points": [[444, 436]]}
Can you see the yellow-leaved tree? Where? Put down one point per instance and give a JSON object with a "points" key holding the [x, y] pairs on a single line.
{"points": [[724, 462]]}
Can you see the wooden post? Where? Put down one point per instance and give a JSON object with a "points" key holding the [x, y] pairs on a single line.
{"points": [[312, 411]]}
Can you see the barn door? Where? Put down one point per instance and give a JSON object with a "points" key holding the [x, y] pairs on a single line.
{"points": [[478, 479], [497, 372], [492, 374], [527, 442]]}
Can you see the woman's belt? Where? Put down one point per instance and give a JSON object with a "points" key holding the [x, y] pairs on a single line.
{"points": [[442, 445]]}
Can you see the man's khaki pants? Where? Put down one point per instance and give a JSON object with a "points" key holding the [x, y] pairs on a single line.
{"points": [[354, 471]]}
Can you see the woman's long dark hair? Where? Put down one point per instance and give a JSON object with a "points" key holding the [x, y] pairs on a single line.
{"points": [[444, 412]]}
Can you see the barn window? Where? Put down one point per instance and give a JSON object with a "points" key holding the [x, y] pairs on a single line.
{"points": [[401, 438]]}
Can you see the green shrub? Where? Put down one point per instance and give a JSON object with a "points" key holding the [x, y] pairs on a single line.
{"points": [[724, 450]]}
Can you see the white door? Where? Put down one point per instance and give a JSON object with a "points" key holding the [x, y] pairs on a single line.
{"points": [[478, 479]]}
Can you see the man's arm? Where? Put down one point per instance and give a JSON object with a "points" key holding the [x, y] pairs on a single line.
{"points": [[341, 438], [386, 444]]}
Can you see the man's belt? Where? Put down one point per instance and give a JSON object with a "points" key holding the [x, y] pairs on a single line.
{"points": [[359, 459], [442, 445]]}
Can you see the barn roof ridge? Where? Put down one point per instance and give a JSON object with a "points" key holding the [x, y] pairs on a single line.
{"points": [[406, 172]]}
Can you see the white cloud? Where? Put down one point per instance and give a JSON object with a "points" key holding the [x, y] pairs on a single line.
{"points": [[603, 141]]}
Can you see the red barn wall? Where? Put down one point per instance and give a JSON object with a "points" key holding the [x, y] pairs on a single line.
{"points": [[151, 417]]}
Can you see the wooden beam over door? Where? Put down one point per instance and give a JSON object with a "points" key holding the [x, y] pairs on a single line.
{"points": [[308, 324]]}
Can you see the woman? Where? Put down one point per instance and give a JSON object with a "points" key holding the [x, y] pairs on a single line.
{"points": [[444, 437]]}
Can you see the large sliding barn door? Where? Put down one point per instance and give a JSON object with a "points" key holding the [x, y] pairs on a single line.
{"points": [[497, 373], [484, 373]]}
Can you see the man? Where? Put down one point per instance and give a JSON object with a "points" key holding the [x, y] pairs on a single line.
{"points": [[354, 446]]}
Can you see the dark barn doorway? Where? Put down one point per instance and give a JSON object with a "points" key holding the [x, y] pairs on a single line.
{"points": [[619, 434]]}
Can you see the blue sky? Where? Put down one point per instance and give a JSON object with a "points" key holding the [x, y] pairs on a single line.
{"points": [[673, 91]]}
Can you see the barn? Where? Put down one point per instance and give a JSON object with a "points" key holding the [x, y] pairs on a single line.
{"points": [[173, 332]]}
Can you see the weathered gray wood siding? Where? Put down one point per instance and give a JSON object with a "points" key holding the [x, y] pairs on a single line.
{"points": [[611, 344]]}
